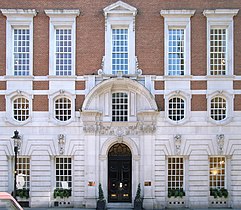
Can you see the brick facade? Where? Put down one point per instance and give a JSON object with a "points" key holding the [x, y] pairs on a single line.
{"points": [[159, 115], [40, 103], [199, 103], [40, 85]]}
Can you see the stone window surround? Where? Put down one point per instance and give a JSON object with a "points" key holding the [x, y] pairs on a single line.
{"points": [[229, 106], [20, 107], [52, 98], [61, 19], [9, 107], [119, 15], [222, 18], [178, 19], [187, 105], [18, 18]]}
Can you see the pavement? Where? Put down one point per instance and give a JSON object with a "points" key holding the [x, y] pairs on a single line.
{"points": [[61, 208]]}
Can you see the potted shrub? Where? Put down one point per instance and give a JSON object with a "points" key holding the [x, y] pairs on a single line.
{"points": [[101, 202], [138, 200], [62, 193], [216, 192], [23, 193], [176, 193]]}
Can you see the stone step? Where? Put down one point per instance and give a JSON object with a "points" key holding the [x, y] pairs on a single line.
{"points": [[119, 209]]}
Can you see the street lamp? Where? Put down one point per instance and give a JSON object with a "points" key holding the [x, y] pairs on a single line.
{"points": [[17, 143]]}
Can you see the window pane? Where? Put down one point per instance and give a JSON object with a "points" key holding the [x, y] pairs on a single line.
{"points": [[63, 51], [63, 109], [120, 51], [218, 49], [63, 172], [217, 172], [176, 52], [119, 107], [23, 167], [218, 108], [21, 109], [176, 110], [175, 173], [21, 52]]}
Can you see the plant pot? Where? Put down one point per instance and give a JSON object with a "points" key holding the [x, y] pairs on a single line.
{"points": [[101, 205], [137, 205]]}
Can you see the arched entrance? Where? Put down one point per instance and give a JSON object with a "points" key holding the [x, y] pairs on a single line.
{"points": [[119, 173]]}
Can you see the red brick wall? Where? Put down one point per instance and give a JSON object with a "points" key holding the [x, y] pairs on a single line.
{"points": [[2, 85], [40, 103], [149, 33], [160, 102], [199, 103], [2, 45], [159, 85], [80, 85], [237, 85], [237, 103], [2, 103], [198, 85], [40, 85], [41, 45], [90, 38], [198, 44], [79, 102]]}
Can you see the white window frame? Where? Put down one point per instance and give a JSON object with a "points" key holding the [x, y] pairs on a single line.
{"points": [[9, 107], [222, 18], [229, 106], [183, 175], [61, 19], [215, 170], [218, 103], [187, 106], [18, 18], [119, 15], [128, 105], [63, 169], [20, 170], [179, 19], [21, 108], [52, 98], [63, 116]]}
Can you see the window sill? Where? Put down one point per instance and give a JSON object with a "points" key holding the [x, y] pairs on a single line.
{"points": [[220, 77], [62, 77], [221, 122], [13, 78], [177, 77]]}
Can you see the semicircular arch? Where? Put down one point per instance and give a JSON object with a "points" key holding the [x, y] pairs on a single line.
{"points": [[144, 99], [112, 141]]}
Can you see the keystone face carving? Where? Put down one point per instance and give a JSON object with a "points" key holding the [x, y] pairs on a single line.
{"points": [[177, 142], [220, 143], [61, 141]]}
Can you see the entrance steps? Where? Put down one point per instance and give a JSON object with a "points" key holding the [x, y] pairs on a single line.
{"points": [[119, 206]]}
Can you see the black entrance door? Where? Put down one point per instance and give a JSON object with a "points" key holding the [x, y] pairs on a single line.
{"points": [[119, 174]]}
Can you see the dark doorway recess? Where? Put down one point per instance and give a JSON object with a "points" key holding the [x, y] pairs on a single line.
{"points": [[119, 173]]}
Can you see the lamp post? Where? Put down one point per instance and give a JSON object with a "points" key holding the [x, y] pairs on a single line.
{"points": [[17, 143]]}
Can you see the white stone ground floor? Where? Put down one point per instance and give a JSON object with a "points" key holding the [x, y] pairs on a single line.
{"points": [[120, 156]]}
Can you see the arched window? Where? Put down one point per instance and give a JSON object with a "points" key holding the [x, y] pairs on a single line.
{"points": [[62, 108], [21, 109], [218, 108], [119, 107], [176, 109]]}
